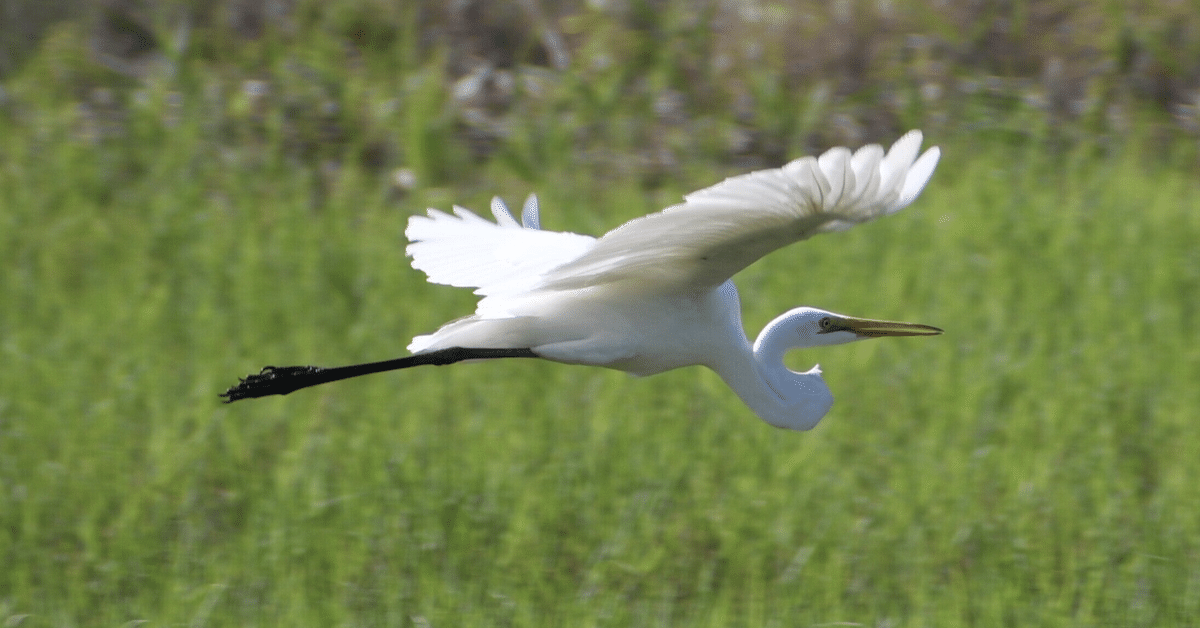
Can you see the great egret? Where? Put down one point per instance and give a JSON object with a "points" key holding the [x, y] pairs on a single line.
{"points": [[655, 293]]}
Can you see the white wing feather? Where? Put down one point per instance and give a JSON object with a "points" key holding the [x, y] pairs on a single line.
{"points": [[718, 231], [496, 258], [696, 245]]}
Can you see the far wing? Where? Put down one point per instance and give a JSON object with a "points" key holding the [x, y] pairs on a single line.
{"points": [[497, 258], [722, 229]]}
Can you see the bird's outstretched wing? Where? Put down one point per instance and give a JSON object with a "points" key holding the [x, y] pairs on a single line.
{"points": [[496, 258], [722, 229]]}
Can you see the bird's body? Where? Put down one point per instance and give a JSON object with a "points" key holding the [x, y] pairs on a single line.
{"points": [[655, 294], [642, 334]]}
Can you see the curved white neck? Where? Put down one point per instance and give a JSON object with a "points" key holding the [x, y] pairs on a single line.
{"points": [[778, 395]]}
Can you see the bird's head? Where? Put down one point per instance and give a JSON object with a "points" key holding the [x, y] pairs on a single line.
{"points": [[798, 400], [811, 327]]}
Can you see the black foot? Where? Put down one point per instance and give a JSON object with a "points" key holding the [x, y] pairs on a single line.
{"points": [[273, 380], [281, 380]]}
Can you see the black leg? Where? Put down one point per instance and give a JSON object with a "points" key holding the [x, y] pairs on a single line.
{"points": [[281, 380]]}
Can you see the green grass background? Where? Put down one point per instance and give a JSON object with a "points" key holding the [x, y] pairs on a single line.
{"points": [[1035, 466]]}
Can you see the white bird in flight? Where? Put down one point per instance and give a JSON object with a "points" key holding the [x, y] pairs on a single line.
{"points": [[654, 294]]}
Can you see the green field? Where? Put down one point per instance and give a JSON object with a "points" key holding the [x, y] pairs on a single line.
{"points": [[1035, 466]]}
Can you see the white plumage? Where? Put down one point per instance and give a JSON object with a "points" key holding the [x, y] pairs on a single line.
{"points": [[655, 293]]}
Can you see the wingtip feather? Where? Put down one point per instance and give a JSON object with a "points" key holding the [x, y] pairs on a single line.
{"points": [[918, 176], [835, 165], [504, 217], [531, 214]]}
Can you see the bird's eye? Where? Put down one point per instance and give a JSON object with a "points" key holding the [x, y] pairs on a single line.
{"points": [[826, 324]]}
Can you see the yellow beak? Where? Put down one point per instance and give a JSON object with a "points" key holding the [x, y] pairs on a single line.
{"points": [[874, 329]]}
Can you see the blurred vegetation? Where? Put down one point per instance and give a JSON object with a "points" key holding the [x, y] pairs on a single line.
{"points": [[625, 87], [194, 189]]}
